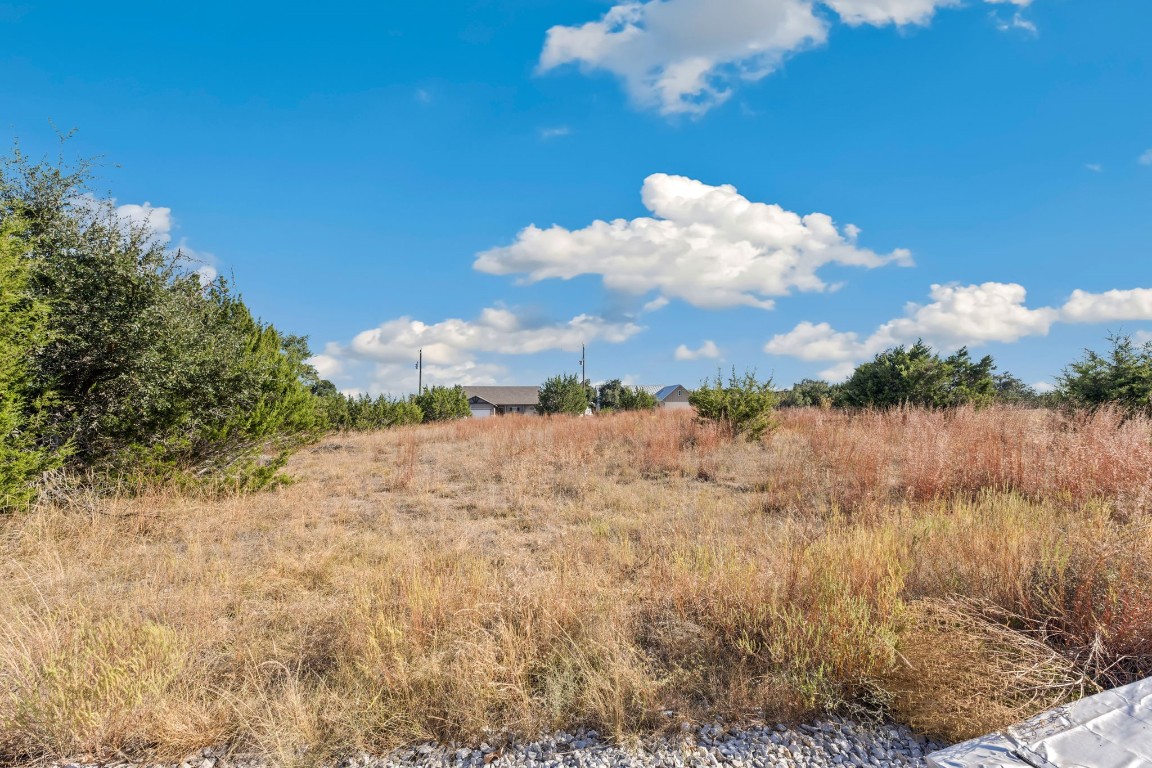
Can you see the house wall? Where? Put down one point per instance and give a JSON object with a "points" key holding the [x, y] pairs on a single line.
{"points": [[677, 400], [523, 410]]}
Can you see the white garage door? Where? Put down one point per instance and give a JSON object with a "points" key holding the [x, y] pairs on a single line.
{"points": [[480, 411]]}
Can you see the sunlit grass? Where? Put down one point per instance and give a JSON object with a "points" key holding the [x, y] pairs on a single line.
{"points": [[518, 575]]}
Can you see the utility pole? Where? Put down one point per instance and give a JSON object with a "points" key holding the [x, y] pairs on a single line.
{"points": [[583, 367], [420, 375]]}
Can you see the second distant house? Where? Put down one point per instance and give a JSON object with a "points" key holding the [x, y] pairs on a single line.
{"points": [[672, 397], [498, 401]]}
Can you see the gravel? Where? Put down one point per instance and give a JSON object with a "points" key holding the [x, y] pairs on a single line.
{"points": [[829, 742]]}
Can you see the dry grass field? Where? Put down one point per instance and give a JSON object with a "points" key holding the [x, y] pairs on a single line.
{"points": [[630, 572]]}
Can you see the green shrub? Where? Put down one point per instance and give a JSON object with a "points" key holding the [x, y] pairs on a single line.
{"points": [[917, 376], [564, 394], [1121, 377], [636, 399], [362, 413], [743, 406], [615, 396], [1011, 390], [443, 403], [152, 375], [22, 320], [808, 393]]}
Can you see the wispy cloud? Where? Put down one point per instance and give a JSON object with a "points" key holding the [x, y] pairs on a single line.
{"points": [[1016, 21], [554, 133], [1146, 158], [1094, 167], [204, 264]]}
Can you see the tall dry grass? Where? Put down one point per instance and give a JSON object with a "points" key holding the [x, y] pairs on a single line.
{"points": [[506, 576]]}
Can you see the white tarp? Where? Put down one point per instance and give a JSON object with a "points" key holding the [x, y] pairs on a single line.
{"points": [[1109, 730]]}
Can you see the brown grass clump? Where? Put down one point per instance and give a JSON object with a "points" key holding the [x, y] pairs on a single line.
{"points": [[510, 576], [965, 672]]}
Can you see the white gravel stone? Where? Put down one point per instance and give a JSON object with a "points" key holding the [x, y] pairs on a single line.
{"points": [[832, 742]]}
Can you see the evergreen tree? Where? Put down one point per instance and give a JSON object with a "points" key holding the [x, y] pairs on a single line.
{"points": [[636, 399], [615, 396], [743, 406], [609, 394], [1012, 390], [917, 376], [809, 392], [151, 373], [1122, 376], [22, 321], [564, 394], [443, 403]]}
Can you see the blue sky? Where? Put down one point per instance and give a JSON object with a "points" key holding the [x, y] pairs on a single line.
{"points": [[788, 185]]}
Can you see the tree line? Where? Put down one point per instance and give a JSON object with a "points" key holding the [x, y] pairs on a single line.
{"points": [[918, 376], [560, 394]]}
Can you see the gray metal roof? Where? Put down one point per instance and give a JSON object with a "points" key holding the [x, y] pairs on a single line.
{"points": [[505, 395], [664, 392], [660, 391]]}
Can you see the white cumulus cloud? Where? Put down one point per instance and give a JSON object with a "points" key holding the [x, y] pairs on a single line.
{"points": [[705, 245], [707, 350], [400, 378], [453, 348], [156, 218], [497, 330], [838, 373], [680, 56], [815, 341], [881, 12], [1085, 307], [686, 56], [159, 223], [969, 314], [958, 315], [328, 366], [962, 315]]}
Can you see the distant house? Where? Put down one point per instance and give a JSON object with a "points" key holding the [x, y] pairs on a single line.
{"points": [[497, 401], [673, 397]]}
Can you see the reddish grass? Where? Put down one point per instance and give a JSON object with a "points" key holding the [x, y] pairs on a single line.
{"points": [[918, 455]]}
